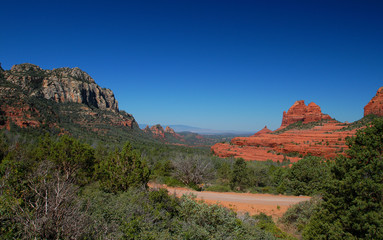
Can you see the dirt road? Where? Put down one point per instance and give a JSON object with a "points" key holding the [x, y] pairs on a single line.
{"points": [[274, 205]]}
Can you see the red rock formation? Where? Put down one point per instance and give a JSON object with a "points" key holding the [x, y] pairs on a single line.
{"points": [[170, 130], [264, 130], [375, 106], [147, 129], [158, 131], [323, 140], [20, 116], [127, 123], [300, 112]]}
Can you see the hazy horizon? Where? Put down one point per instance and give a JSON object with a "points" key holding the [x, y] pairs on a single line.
{"points": [[215, 65]]}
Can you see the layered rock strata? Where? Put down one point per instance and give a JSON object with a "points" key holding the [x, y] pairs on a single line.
{"points": [[375, 106], [322, 138], [299, 112]]}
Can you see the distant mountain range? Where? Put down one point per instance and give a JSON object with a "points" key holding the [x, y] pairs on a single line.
{"points": [[203, 131]]}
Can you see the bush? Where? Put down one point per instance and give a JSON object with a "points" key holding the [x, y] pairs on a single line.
{"points": [[218, 188], [266, 223], [122, 170], [192, 169], [297, 216], [308, 176]]}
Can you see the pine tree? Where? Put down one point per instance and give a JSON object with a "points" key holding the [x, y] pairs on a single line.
{"points": [[353, 207]]}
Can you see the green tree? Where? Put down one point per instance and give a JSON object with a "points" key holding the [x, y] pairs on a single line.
{"points": [[239, 177], [73, 159], [353, 200], [122, 170], [258, 175], [307, 176]]}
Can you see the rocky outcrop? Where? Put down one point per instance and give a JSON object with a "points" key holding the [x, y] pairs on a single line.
{"points": [[264, 130], [32, 97], [62, 85], [299, 112], [158, 130], [21, 116], [170, 130], [147, 129], [323, 140], [375, 106]]}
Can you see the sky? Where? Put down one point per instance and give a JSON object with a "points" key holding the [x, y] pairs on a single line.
{"points": [[217, 64]]}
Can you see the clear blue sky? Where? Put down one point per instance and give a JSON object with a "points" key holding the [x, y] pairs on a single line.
{"points": [[211, 64]]}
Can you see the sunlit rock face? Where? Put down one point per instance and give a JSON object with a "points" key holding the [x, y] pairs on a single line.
{"points": [[62, 85], [299, 112], [375, 106]]}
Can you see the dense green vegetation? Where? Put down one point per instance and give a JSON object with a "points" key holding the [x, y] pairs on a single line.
{"points": [[350, 202], [62, 188], [353, 197], [96, 188]]}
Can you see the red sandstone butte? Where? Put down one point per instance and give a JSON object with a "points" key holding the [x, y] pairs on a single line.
{"points": [[375, 106], [324, 139], [300, 112]]}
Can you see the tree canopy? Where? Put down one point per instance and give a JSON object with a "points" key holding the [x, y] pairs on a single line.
{"points": [[352, 201]]}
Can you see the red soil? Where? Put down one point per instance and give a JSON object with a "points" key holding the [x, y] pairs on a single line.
{"points": [[274, 205]]}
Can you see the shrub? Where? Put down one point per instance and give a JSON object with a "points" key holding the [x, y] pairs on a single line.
{"points": [[308, 176], [122, 170], [297, 216]]}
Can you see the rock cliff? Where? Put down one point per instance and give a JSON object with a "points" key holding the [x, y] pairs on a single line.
{"points": [[375, 106], [62, 85], [32, 97], [299, 112]]}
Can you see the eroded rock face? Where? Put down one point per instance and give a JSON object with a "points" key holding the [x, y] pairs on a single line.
{"points": [[299, 112], [375, 106], [324, 140], [27, 92], [62, 85], [158, 130], [170, 130]]}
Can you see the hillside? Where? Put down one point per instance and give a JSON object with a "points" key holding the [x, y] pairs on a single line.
{"points": [[68, 100], [63, 100]]}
